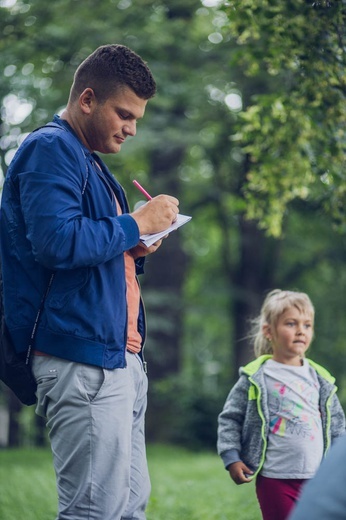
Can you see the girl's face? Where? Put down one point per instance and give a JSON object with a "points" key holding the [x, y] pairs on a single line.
{"points": [[292, 336]]}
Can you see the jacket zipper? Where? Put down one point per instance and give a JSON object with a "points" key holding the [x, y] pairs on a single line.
{"points": [[260, 413]]}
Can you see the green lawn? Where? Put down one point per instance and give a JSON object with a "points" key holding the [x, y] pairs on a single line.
{"points": [[185, 486]]}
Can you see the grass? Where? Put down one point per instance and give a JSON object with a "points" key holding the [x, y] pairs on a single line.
{"points": [[194, 486], [185, 486]]}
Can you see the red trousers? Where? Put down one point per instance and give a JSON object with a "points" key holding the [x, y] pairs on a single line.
{"points": [[277, 497]]}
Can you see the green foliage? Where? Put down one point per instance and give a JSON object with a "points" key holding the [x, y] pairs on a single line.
{"points": [[292, 82], [293, 130], [316, 262], [189, 411], [185, 486]]}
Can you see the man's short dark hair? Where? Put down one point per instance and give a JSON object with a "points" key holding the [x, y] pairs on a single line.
{"points": [[108, 69]]}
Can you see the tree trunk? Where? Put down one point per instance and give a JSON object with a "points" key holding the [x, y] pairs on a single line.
{"points": [[253, 278], [162, 291]]}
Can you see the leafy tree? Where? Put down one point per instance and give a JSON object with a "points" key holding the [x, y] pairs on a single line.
{"points": [[293, 134]]}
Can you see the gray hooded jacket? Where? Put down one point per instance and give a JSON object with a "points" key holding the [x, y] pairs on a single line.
{"points": [[243, 424]]}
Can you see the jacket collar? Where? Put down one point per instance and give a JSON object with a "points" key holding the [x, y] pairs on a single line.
{"points": [[252, 367]]}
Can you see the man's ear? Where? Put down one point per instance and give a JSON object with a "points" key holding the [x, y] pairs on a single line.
{"points": [[86, 100]]}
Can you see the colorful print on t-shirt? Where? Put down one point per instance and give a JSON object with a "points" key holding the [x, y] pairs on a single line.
{"points": [[294, 408]]}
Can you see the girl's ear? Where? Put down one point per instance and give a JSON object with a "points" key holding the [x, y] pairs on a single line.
{"points": [[266, 331]]}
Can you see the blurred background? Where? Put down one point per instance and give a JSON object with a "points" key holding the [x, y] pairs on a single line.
{"points": [[248, 131]]}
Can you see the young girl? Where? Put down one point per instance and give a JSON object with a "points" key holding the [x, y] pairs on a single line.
{"points": [[282, 415]]}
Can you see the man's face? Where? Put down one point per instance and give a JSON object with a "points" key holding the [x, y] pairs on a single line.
{"points": [[106, 125]]}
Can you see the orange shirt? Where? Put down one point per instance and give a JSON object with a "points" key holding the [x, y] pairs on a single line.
{"points": [[134, 339]]}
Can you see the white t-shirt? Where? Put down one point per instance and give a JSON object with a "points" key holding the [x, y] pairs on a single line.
{"points": [[295, 442]]}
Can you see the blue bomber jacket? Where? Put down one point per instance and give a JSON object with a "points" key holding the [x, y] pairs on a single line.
{"points": [[59, 214], [243, 424]]}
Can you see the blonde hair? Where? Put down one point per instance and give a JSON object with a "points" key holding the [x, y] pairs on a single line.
{"points": [[275, 304]]}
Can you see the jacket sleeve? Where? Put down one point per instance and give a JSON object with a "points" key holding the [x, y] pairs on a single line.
{"points": [[337, 419], [61, 236], [230, 422]]}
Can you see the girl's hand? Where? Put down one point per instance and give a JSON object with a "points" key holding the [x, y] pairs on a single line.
{"points": [[240, 473]]}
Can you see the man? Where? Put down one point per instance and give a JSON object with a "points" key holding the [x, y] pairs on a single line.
{"points": [[63, 213], [323, 497]]}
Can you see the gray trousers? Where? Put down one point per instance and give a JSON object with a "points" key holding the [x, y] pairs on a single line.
{"points": [[96, 428]]}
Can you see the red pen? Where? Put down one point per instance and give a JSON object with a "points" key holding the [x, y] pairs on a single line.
{"points": [[149, 197]]}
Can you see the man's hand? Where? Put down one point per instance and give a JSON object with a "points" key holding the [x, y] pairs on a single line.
{"points": [[240, 473], [142, 250], [157, 214]]}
